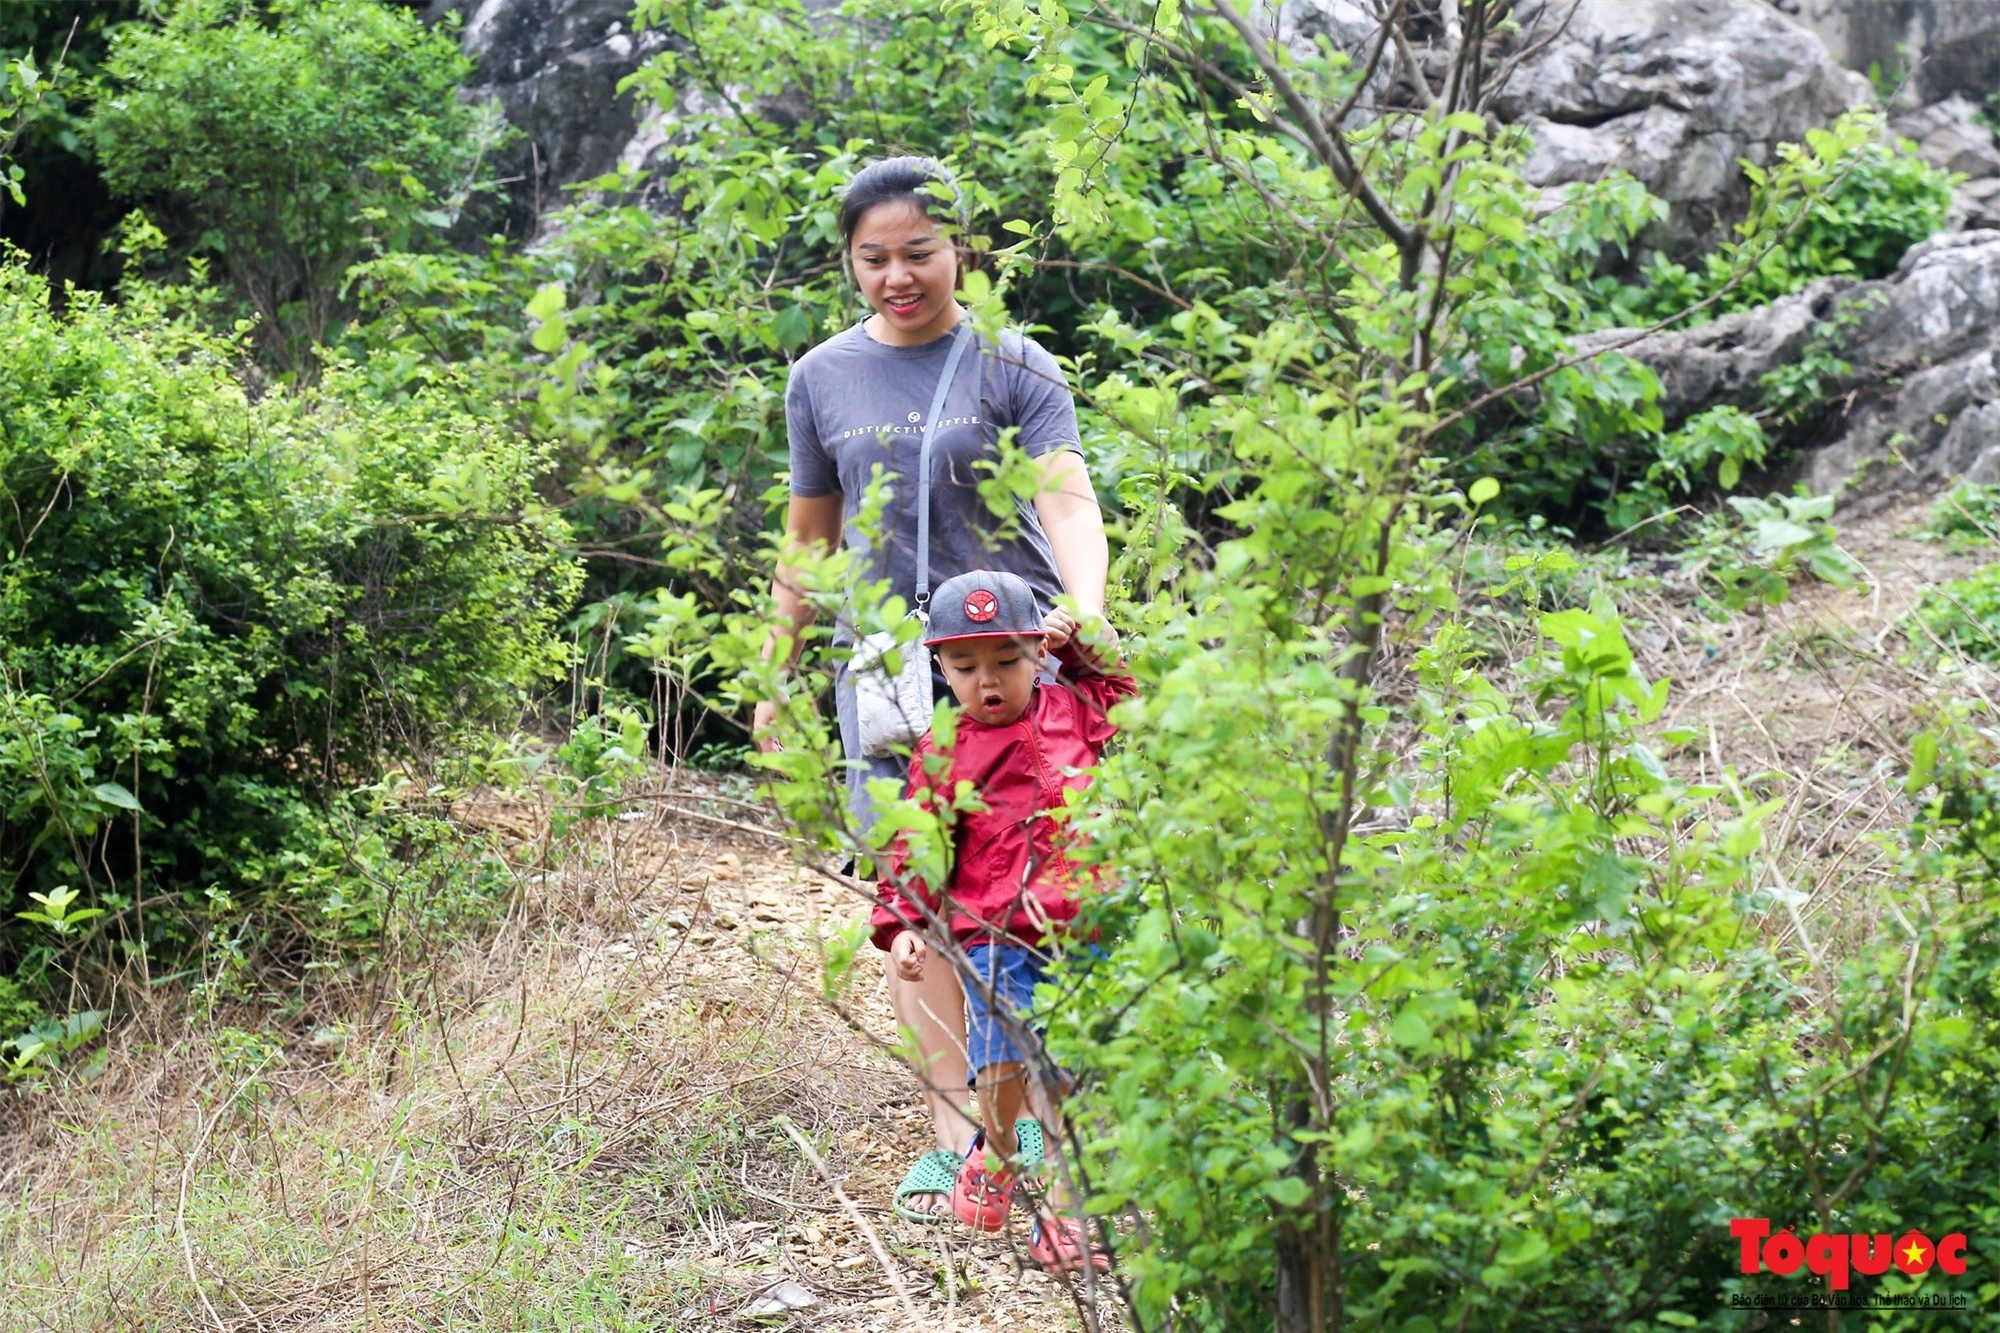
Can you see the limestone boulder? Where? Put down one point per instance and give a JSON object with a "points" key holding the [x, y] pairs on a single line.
{"points": [[1951, 136], [1673, 91], [1923, 51], [1921, 402]]}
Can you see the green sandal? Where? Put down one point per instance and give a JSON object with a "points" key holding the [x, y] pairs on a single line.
{"points": [[1028, 1136], [936, 1172]]}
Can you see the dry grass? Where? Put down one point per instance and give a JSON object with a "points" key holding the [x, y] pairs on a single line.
{"points": [[1813, 703], [604, 1115]]}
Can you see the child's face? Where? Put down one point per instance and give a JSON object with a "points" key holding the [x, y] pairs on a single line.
{"points": [[993, 679]]}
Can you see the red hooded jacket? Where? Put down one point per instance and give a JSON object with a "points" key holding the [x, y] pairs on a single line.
{"points": [[1009, 873]]}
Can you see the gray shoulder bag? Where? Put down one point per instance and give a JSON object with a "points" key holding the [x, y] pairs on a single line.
{"points": [[892, 680]]}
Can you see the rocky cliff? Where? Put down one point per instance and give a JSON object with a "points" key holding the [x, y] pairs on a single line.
{"points": [[1676, 92], [554, 66], [1920, 404], [1922, 51]]}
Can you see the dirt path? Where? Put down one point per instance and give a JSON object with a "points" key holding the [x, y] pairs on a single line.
{"points": [[628, 1109], [729, 928]]}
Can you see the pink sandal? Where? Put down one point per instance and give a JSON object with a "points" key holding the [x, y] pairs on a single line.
{"points": [[982, 1198], [1062, 1245]]}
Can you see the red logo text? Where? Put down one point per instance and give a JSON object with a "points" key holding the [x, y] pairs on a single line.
{"points": [[1835, 1256]]}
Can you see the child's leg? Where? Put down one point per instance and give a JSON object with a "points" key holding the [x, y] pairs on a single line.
{"points": [[999, 997], [999, 992], [933, 1011], [1003, 1100]]}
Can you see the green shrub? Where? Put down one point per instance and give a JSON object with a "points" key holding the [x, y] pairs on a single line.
{"points": [[287, 141], [1844, 202], [217, 613], [1717, 444], [1749, 555], [1964, 615], [1967, 518], [1429, 993]]}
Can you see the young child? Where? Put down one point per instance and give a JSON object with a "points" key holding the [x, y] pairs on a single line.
{"points": [[1013, 888]]}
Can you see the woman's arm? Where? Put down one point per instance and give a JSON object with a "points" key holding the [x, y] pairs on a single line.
{"points": [[1067, 507], [811, 522]]}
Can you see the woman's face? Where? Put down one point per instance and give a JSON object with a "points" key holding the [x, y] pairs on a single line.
{"points": [[908, 271]]}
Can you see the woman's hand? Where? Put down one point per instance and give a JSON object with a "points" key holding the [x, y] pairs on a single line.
{"points": [[761, 718], [908, 952], [1099, 645], [1094, 646]]}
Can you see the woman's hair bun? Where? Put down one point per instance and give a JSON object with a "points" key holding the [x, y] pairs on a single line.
{"points": [[898, 180]]}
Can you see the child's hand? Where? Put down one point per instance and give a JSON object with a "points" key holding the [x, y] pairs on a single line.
{"points": [[1060, 628], [908, 952]]}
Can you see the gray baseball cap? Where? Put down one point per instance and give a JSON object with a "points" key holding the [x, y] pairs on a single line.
{"points": [[984, 604]]}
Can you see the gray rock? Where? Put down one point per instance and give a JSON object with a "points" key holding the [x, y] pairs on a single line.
{"points": [[1926, 371], [1721, 362], [779, 1300], [1301, 24], [1950, 136], [1673, 91], [1977, 205], [1310, 28], [1921, 402], [1928, 49], [554, 66]]}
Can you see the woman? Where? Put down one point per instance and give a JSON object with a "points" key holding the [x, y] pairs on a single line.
{"points": [[858, 400]]}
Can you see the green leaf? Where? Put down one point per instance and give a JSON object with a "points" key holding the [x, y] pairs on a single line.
{"points": [[793, 327], [1523, 1248], [1923, 762], [551, 335], [547, 302], [1777, 534], [1287, 1191], [111, 793], [1484, 491], [1410, 1028]]}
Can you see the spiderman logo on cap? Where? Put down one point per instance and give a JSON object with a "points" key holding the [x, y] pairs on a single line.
{"points": [[981, 606]]}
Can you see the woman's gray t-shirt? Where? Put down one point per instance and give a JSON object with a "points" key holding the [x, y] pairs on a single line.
{"points": [[853, 403]]}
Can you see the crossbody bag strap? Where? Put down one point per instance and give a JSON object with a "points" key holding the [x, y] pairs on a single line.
{"points": [[958, 344]]}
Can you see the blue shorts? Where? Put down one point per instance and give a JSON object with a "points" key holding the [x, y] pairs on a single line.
{"points": [[1008, 974]]}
